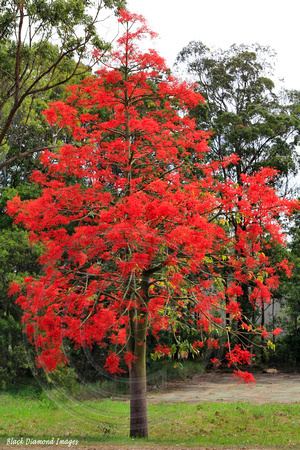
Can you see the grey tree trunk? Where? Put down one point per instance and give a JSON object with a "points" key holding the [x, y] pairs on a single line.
{"points": [[138, 385]]}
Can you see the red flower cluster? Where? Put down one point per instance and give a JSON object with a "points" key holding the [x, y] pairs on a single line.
{"points": [[162, 350], [112, 364], [247, 377], [238, 356]]}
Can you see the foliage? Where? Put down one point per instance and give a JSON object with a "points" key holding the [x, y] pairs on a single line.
{"points": [[63, 378], [43, 45], [18, 258], [248, 115], [243, 107], [289, 345]]}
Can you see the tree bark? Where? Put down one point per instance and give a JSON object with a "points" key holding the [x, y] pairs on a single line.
{"points": [[262, 322], [138, 383], [138, 374]]}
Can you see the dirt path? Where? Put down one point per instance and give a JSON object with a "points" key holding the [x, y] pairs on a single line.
{"points": [[214, 387]]}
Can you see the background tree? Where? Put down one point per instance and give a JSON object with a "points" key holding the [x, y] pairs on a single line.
{"points": [[130, 216], [243, 108], [43, 45], [289, 345], [247, 115], [18, 259]]}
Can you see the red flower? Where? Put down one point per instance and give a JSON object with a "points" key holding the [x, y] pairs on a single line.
{"points": [[233, 308], [129, 358], [247, 377], [277, 331], [238, 356], [264, 334], [212, 343], [14, 288], [215, 361], [112, 364], [286, 266], [198, 344], [163, 350]]}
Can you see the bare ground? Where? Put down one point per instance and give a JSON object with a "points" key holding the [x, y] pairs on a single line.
{"points": [[216, 387]]}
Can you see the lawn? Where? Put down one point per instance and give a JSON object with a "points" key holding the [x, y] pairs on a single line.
{"points": [[44, 415]]}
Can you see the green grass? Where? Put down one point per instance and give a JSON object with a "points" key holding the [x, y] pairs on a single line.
{"points": [[40, 415]]}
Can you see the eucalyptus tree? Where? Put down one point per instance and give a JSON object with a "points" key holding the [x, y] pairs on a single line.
{"points": [[43, 45], [248, 115], [245, 111]]}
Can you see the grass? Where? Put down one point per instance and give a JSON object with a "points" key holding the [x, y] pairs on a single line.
{"points": [[48, 414]]}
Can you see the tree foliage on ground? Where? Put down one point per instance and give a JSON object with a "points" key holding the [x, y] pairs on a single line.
{"points": [[133, 221]]}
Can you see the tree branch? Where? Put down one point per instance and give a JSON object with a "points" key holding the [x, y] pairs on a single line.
{"points": [[23, 155]]}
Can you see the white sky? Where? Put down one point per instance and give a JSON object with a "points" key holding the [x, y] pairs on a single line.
{"points": [[220, 23]]}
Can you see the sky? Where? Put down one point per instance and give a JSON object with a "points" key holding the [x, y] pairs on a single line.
{"points": [[220, 23]]}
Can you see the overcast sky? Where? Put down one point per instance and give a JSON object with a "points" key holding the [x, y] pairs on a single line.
{"points": [[220, 23]]}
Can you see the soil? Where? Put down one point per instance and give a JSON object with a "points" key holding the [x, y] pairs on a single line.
{"points": [[217, 387]]}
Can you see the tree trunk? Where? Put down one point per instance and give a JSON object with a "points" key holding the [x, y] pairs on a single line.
{"points": [[262, 322], [138, 374], [138, 384]]}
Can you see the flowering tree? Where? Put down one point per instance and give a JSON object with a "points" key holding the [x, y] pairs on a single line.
{"points": [[133, 223]]}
